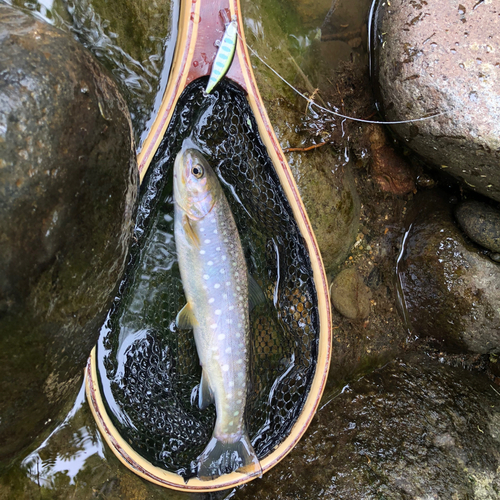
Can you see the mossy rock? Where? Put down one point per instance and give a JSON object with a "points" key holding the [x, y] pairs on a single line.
{"points": [[68, 187]]}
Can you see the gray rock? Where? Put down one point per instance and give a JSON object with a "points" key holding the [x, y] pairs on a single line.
{"points": [[349, 294], [415, 429], [68, 187], [481, 223], [450, 291], [438, 56]]}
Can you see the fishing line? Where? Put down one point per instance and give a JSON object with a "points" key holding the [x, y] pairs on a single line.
{"points": [[312, 103]]}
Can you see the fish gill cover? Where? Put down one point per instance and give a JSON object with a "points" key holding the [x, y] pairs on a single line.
{"points": [[147, 366]]}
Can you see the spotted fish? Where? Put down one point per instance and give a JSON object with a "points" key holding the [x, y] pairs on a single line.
{"points": [[224, 56], [215, 280]]}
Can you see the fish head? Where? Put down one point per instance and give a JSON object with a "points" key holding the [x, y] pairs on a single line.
{"points": [[196, 187]]}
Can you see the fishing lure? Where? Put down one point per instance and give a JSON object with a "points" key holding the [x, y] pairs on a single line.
{"points": [[224, 56]]}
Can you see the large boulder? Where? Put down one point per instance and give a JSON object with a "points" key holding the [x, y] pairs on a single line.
{"points": [[440, 57], [416, 429], [68, 186], [450, 290]]}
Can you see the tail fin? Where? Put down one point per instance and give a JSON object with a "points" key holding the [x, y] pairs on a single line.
{"points": [[223, 458]]}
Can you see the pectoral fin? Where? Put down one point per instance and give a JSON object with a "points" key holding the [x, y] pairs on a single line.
{"points": [[205, 394], [185, 318], [190, 232], [255, 294]]}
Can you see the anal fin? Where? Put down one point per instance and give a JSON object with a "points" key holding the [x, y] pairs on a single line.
{"points": [[205, 394]]}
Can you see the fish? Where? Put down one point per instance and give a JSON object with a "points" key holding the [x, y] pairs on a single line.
{"points": [[224, 56], [216, 285]]}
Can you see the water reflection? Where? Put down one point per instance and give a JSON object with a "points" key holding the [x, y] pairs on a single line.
{"points": [[50, 461]]}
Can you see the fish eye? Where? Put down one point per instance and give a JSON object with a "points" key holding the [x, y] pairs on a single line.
{"points": [[197, 171]]}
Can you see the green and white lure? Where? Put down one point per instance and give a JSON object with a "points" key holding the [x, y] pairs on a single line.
{"points": [[224, 56]]}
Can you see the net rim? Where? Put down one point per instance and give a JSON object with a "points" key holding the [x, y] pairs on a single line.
{"points": [[188, 28]]}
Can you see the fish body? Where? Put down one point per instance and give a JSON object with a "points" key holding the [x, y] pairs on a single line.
{"points": [[224, 56], [215, 280]]}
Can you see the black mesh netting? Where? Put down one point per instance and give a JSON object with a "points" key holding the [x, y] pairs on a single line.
{"points": [[147, 367]]}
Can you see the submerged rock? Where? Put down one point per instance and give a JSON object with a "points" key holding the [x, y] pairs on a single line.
{"points": [[450, 291], [481, 223], [350, 296], [68, 184], [413, 429], [389, 170], [435, 57]]}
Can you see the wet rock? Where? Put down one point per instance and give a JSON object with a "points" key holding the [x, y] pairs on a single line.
{"points": [[311, 12], [327, 188], [440, 57], [68, 182], [389, 170], [450, 291], [323, 176], [481, 223], [133, 39], [414, 429], [349, 294]]}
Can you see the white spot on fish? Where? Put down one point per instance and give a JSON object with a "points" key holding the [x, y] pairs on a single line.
{"points": [[221, 336], [236, 413], [217, 285], [210, 263], [215, 231], [218, 312], [238, 288], [222, 271], [230, 423], [238, 335], [229, 396], [240, 393], [228, 283], [234, 263], [225, 240], [218, 249], [214, 325], [207, 241], [229, 321], [231, 384], [211, 300], [231, 308], [223, 257], [240, 374], [225, 368], [206, 277], [224, 295], [228, 350], [239, 361], [202, 252], [239, 401]]}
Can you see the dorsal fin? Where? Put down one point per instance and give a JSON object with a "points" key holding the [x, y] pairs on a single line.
{"points": [[255, 294]]}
